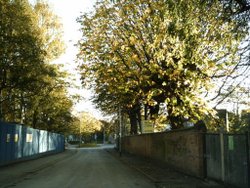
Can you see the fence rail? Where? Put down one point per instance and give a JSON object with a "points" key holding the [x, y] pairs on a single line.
{"points": [[18, 143]]}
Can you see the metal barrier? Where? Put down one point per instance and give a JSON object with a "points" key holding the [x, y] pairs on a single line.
{"points": [[18, 142], [227, 157]]}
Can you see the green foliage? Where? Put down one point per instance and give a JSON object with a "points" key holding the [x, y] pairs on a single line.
{"points": [[51, 30], [108, 127], [88, 123], [237, 123], [245, 120], [89, 145], [153, 52], [32, 91], [85, 123]]}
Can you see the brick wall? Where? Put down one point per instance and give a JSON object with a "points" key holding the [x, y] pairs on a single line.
{"points": [[181, 149]]}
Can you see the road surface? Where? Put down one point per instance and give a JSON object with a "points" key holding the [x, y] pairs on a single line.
{"points": [[81, 168]]}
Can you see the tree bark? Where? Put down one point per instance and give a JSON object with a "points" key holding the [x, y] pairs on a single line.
{"points": [[135, 118]]}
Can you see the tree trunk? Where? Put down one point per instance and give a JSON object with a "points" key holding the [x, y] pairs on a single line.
{"points": [[154, 110], [133, 123], [135, 118], [175, 122], [3, 77], [139, 119], [34, 119], [146, 111], [1, 106], [22, 109]]}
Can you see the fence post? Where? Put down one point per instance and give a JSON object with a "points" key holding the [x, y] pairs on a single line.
{"points": [[222, 156]]}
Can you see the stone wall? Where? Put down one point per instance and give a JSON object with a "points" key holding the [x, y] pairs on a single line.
{"points": [[181, 149]]}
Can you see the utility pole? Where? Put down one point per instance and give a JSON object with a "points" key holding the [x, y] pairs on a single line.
{"points": [[227, 121], [103, 134], [80, 137]]}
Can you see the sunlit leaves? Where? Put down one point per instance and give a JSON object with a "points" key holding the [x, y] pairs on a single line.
{"points": [[51, 29], [88, 123], [157, 51], [32, 91]]}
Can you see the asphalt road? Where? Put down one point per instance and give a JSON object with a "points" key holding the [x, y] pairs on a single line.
{"points": [[77, 168]]}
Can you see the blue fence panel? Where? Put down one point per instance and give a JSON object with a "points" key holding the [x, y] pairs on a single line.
{"points": [[60, 143], [52, 141], [2, 143], [43, 143], [10, 148], [18, 142], [26, 147], [36, 141]]}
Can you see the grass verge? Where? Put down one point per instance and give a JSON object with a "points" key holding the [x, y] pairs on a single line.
{"points": [[88, 145]]}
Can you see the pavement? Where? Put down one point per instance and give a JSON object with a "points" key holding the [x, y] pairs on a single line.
{"points": [[160, 174]]}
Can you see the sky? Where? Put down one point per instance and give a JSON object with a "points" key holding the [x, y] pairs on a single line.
{"points": [[69, 11]]}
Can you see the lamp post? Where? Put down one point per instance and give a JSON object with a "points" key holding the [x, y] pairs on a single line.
{"points": [[80, 136], [103, 134]]}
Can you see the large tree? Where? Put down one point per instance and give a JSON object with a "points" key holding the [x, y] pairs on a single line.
{"points": [[153, 52], [32, 90], [20, 52]]}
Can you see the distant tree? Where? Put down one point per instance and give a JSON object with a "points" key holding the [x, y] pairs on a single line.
{"points": [[89, 124], [108, 128]]}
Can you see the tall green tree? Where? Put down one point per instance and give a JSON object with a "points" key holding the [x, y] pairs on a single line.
{"points": [[20, 50], [153, 52], [32, 90]]}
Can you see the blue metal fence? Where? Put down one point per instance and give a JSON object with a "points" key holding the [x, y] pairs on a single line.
{"points": [[18, 142]]}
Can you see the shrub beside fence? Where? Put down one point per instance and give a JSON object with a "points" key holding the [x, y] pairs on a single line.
{"points": [[19, 143]]}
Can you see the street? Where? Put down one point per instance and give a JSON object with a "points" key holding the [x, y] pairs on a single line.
{"points": [[77, 168]]}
